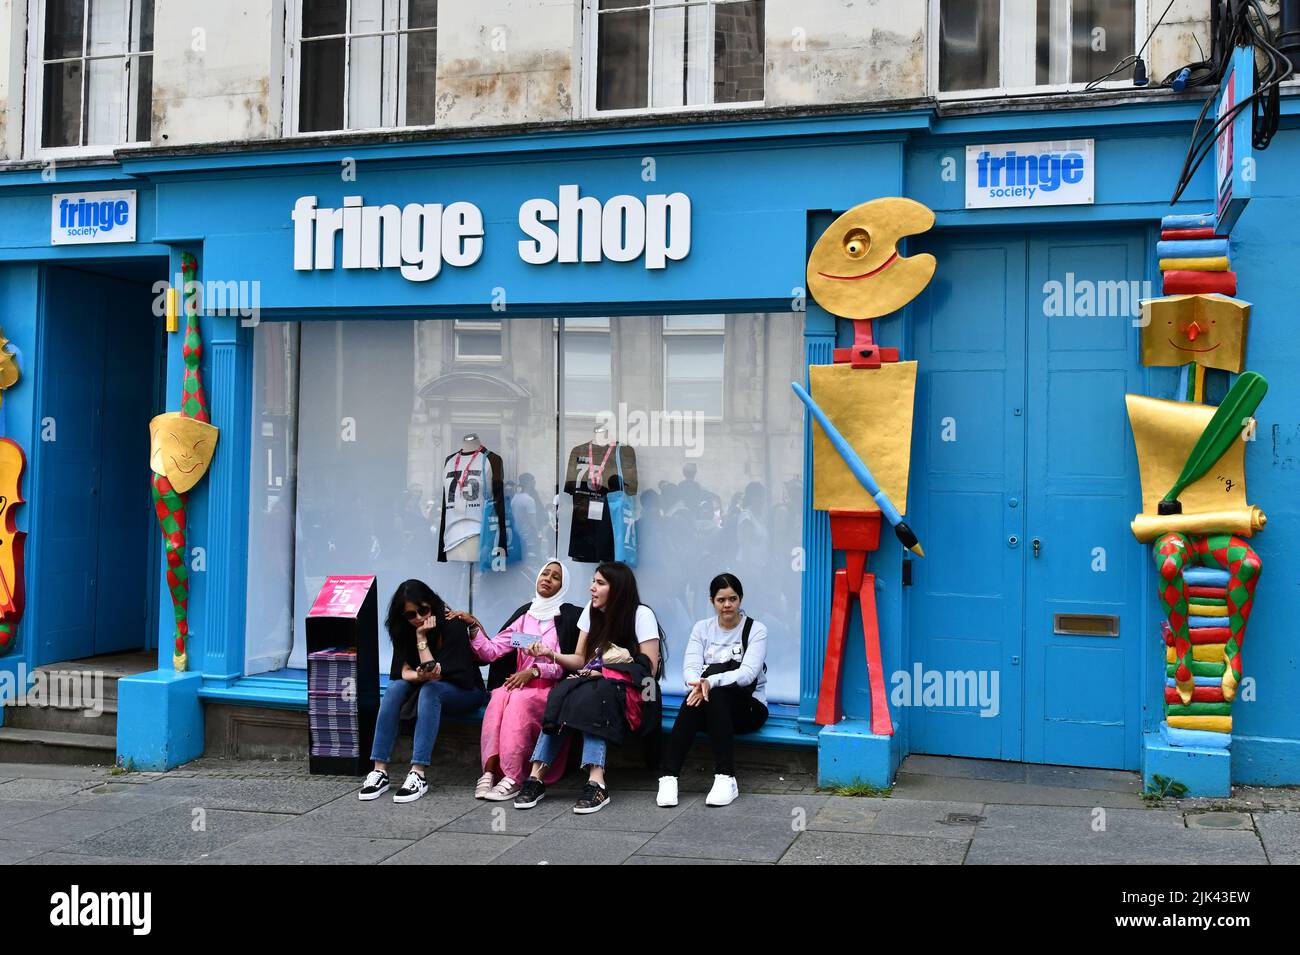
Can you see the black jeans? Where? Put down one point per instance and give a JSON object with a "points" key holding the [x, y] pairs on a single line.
{"points": [[730, 710]]}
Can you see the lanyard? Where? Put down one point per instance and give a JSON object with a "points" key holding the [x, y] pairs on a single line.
{"points": [[464, 474], [597, 472]]}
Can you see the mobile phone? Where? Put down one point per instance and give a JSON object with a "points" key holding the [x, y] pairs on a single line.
{"points": [[427, 666]]}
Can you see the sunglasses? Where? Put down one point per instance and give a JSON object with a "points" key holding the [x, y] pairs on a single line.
{"points": [[413, 615]]}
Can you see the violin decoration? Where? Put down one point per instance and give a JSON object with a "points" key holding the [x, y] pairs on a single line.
{"points": [[12, 465], [181, 445]]}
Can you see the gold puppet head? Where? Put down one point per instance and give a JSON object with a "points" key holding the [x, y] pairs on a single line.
{"points": [[181, 448], [8, 365], [1208, 330], [855, 271]]}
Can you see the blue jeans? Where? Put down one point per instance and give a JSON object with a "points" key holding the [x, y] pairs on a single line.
{"points": [[436, 698], [548, 747]]}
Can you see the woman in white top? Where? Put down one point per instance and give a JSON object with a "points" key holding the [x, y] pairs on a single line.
{"points": [[724, 667], [615, 627]]}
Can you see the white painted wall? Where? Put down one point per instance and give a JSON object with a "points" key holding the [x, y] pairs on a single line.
{"points": [[218, 70], [842, 51], [13, 38], [507, 61]]}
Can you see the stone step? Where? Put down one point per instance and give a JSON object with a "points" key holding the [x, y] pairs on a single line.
{"points": [[106, 687], [57, 747], [68, 719]]}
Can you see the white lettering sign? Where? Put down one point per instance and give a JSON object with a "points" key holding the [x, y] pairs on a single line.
{"points": [[419, 238]]}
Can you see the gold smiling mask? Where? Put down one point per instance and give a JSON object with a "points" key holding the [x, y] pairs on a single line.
{"points": [[181, 448], [855, 270], [1209, 330]]}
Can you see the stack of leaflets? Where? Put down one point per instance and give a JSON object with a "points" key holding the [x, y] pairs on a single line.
{"points": [[332, 701]]}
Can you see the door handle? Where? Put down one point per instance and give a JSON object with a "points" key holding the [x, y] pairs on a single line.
{"points": [[1038, 546], [1013, 541]]}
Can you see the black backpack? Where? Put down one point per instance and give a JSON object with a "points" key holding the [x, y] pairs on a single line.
{"points": [[714, 668]]}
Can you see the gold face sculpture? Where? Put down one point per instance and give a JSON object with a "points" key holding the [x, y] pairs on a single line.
{"points": [[855, 271], [181, 448], [1209, 330]]}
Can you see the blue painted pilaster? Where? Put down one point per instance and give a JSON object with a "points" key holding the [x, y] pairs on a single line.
{"points": [[819, 346]]}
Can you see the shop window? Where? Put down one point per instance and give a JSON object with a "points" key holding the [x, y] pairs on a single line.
{"points": [[365, 64], [1022, 44], [353, 421], [693, 363], [478, 340], [665, 54], [588, 366], [91, 79]]}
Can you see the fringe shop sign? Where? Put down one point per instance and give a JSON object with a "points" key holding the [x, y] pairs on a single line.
{"points": [[419, 238]]}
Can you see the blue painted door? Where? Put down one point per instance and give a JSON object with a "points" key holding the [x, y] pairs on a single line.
{"points": [[966, 500], [98, 390], [1023, 484], [1082, 691]]}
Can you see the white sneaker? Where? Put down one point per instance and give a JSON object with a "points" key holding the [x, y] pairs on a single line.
{"points": [[414, 787], [724, 791], [484, 785], [505, 790], [667, 791]]}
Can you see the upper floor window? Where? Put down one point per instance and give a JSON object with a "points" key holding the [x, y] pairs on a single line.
{"points": [[694, 359], [365, 64], [92, 73], [660, 54], [1021, 44]]}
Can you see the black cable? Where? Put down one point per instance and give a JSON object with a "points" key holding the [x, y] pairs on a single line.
{"points": [[1134, 57], [1241, 29]]}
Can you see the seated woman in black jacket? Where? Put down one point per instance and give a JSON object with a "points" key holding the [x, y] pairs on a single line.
{"points": [[432, 661], [616, 656]]}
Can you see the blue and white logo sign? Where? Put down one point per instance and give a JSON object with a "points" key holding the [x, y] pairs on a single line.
{"points": [[1029, 174], [84, 217]]}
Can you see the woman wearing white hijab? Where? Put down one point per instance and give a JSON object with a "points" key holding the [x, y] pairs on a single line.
{"points": [[513, 719]]}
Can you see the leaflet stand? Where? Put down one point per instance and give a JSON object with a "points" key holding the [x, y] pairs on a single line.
{"points": [[342, 686]]}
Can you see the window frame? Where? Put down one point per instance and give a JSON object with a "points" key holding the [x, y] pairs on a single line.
{"points": [[471, 325], [666, 336], [590, 58], [933, 50], [293, 71], [34, 88], [591, 329]]}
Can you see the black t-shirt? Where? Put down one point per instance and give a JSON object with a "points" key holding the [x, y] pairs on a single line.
{"points": [[449, 644]]}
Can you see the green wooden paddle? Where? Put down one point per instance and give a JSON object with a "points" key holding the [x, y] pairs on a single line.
{"points": [[1225, 427]]}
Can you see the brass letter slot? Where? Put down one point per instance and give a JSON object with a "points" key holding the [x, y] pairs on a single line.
{"points": [[1087, 624]]}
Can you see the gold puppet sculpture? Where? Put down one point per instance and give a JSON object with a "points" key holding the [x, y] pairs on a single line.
{"points": [[1195, 513], [863, 404]]}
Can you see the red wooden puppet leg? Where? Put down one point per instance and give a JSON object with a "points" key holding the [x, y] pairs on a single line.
{"points": [[881, 723], [828, 697]]}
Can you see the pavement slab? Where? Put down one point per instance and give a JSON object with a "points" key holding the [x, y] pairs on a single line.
{"points": [[503, 819], [15, 811], [170, 835], [258, 795], [53, 830], [990, 791], [384, 819], [912, 817], [42, 788], [283, 847], [574, 847], [846, 814], [1066, 836], [754, 828], [1280, 833], [14, 851], [76, 858], [453, 848], [627, 812], [856, 848]]}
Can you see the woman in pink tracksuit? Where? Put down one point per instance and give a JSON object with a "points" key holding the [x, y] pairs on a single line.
{"points": [[513, 719]]}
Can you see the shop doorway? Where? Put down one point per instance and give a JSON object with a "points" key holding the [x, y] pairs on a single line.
{"points": [[101, 380], [1024, 483]]}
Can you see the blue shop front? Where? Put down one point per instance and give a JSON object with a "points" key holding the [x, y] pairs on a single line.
{"points": [[367, 310]]}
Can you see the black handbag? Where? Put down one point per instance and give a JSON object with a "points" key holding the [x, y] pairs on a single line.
{"points": [[715, 668]]}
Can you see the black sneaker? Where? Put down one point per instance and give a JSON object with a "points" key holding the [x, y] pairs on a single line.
{"points": [[534, 791], [594, 798], [376, 785], [414, 787]]}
